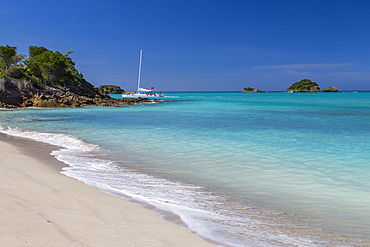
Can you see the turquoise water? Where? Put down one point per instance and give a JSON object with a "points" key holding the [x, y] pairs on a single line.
{"points": [[261, 169]]}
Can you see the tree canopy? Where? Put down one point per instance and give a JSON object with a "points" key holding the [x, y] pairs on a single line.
{"points": [[44, 67], [251, 90], [9, 58], [53, 68], [248, 89]]}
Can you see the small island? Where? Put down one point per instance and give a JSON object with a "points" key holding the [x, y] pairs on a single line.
{"points": [[307, 85], [331, 90], [304, 85], [251, 90]]}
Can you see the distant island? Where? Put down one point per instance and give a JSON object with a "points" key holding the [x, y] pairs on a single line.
{"points": [[331, 89], [49, 79], [251, 90], [306, 85]]}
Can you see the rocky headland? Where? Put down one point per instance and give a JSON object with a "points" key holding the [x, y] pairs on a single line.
{"points": [[18, 93], [49, 79]]}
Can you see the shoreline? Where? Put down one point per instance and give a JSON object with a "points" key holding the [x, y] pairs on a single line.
{"points": [[42, 207]]}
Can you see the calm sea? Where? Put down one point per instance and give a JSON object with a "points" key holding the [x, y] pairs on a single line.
{"points": [[237, 169]]}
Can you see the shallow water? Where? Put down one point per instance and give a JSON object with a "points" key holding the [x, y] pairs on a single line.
{"points": [[237, 169]]}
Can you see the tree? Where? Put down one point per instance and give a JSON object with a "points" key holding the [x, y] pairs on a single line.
{"points": [[36, 50], [248, 89], [53, 68], [9, 58]]}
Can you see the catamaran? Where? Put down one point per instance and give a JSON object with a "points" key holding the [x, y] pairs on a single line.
{"points": [[142, 92]]}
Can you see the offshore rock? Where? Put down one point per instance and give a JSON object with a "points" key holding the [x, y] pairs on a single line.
{"points": [[255, 90], [331, 89], [251, 90]]}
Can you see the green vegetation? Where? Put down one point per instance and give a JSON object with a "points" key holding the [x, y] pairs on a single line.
{"points": [[248, 89], [53, 68], [9, 60], [251, 90], [330, 89], [43, 67], [304, 85], [108, 87]]}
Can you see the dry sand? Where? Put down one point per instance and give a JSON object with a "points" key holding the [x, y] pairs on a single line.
{"points": [[41, 207]]}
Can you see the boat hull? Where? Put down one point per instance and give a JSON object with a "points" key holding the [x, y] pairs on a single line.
{"points": [[143, 95]]}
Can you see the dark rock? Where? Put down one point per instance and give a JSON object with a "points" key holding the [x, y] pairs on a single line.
{"points": [[21, 93], [13, 91]]}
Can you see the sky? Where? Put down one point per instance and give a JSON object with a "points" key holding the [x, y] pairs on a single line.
{"points": [[200, 45]]}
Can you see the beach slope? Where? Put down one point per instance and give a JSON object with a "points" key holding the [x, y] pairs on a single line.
{"points": [[41, 207]]}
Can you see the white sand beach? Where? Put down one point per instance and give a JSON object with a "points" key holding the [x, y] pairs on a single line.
{"points": [[41, 207]]}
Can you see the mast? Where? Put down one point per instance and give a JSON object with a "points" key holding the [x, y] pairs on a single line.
{"points": [[138, 79]]}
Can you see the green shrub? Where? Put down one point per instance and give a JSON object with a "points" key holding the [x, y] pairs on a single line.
{"points": [[108, 87], [330, 89], [248, 89], [304, 85]]}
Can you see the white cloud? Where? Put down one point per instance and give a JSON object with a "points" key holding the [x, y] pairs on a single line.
{"points": [[361, 76], [305, 66]]}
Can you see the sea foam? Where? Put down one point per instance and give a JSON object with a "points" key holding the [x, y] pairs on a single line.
{"points": [[214, 218]]}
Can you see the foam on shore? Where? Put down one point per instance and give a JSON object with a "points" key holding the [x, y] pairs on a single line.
{"points": [[212, 217], [42, 208]]}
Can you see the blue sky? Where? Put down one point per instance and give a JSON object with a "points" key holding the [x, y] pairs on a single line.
{"points": [[201, 45]]}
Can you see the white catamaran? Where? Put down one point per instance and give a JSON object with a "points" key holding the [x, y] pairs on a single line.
{"points": [[142, 92]]}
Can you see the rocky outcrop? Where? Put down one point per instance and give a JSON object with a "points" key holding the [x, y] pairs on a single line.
{"points": [[22, 93], [63, 99], [15, 91], [83, 88]]}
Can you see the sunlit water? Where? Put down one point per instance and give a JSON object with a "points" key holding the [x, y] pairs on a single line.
{"points": [[252, 169]]}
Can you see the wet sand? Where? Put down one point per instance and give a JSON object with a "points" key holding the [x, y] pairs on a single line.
{"points": [[41, 207]]}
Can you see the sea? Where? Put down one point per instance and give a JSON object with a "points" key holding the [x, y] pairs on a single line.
{"points": [[236, 169]]}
